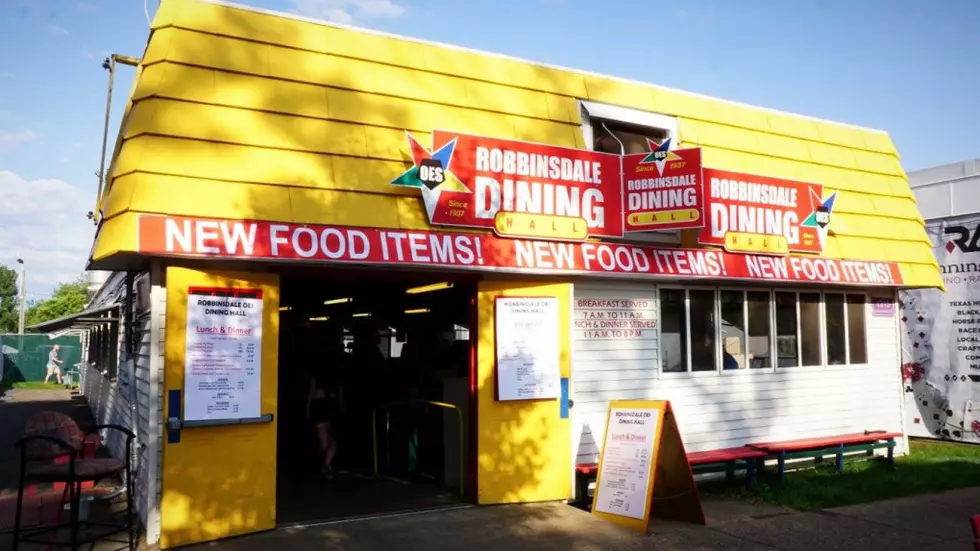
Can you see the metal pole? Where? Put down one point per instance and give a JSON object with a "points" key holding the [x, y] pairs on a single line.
{"points": [[23, 296]]}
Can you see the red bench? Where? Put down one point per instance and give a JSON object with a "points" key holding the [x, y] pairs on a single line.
{"points": [[727, 459], [837, 445], [975, 525]]}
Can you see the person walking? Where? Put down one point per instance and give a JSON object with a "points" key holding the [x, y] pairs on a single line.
{"points": [[54, 364]]}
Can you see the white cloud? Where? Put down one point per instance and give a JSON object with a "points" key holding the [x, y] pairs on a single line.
{"points": [[11, 139], [348, 11], [55, 29], [44, 223], [85, 6]]}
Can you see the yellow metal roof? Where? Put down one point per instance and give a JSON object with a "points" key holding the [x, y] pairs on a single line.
{"points": [[240, 113]]}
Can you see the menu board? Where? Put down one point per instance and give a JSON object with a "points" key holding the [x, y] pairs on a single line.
{"points": [[223, 361], [623, 484], [528, 349]]}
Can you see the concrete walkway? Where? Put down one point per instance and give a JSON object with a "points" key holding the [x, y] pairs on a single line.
{"points": [[927, 523]]}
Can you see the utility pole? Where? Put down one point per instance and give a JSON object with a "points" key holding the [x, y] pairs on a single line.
{"points": [[23, 295]]}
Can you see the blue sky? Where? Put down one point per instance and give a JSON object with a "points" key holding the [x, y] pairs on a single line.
{"points": [[908, 67]]}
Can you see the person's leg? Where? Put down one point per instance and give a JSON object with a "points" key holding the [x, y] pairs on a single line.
{"points": [[330, 449], [322, 437], [48, 375], [57, 374]]}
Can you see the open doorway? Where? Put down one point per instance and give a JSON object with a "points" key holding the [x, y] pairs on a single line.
{"points": [[392, 356]]}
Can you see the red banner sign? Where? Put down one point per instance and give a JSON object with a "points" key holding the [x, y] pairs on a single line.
{"points": [[663, 190], [178, 236], [755, 214], [518, 189]]}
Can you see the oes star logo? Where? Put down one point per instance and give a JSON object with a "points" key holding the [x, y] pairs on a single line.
{"points": [[660, 154], [819, 219], [431, 173]]}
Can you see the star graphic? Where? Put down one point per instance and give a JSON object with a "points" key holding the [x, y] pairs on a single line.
{"points": [[441, 158], [431, 172], [819, 219], [659, 154]]}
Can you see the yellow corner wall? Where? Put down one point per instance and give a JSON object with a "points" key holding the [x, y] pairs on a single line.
{"points": [[219, 481], [524, 449], [241, 114]]}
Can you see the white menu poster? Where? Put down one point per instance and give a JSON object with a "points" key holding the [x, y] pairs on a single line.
{"points": [[528, 348], [223, 362], [624, 470]]}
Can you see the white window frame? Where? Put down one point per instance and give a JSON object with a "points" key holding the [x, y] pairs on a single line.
{"points": [[687, 332], [689, 372], [720, 360], [636, 117], [771, 312], [799, 330], [716, 309], [822, 364], [625, 115], [821, 324], [847, 331]]}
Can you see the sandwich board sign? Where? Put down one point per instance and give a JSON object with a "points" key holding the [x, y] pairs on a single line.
{"points": [[643, 469]]}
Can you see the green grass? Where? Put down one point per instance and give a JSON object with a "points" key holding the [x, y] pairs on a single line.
{"points": [[32, 385], [930, 467]]}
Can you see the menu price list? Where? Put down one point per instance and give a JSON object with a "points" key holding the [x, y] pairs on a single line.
{"points": [[624, 473], [222, 371], [528, 348]]}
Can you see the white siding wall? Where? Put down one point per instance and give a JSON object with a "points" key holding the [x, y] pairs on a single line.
{"points": [[154, 348], [110, 404], [607, 366], [719, 410]]}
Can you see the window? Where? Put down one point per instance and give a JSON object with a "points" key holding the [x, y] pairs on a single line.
{"points": [[688, 330], [631, 127], [701, 305], [746, 330], [798, 335], [673, 331], [759, 329], [705, 330], [857, 332], [787, 331], [845, 328], [835, 326], [810, 328], [632, 137], [733, 347]]}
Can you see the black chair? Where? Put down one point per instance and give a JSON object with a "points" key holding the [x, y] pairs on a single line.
{"points": [[42, 459]]}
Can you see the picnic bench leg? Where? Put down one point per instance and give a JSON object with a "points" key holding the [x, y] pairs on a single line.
{"points": [[891, 453], [781, 462], [750, 473], [840, 458]]}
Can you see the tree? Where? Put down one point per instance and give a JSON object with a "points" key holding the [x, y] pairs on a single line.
{"points": [[8, 300], [68, 299]]}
